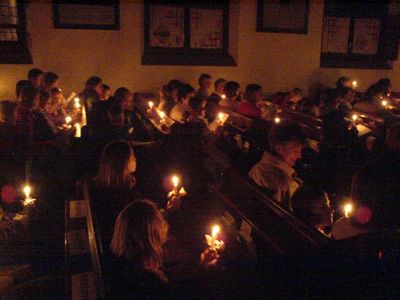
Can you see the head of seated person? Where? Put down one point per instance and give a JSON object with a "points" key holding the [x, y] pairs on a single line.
{"points": [[140, 234], [35, 77], [44, 102], [185, 92], [117, 164], [8, 111], [172, 89], [253, 93], [93, 86], [20, 87], [30, 98], [385, 85], [296, 95], [50, 80], [57, 98], [311, 205], [219, 86], [115, 116], [330, 101], [347, 98], [197, 105], [204, 84], [123, 98], [286, 141], [343, 82], [374, 93], [106, 92], [231, 89], [252, 96]]}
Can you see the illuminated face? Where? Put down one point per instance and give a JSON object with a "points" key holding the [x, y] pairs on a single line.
{"points": [[127, 102], [205, 84], [220, 88], [185, 100], [99, 89], [58, 98], [290, 152], [47, 106]]}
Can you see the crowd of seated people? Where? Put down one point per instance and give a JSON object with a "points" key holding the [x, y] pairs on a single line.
{"points": [[134, 231]]}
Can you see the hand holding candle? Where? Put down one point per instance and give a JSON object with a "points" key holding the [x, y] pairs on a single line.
{"points": [[355, 118], [68, 119], [221, 118], [347, 209], [277, 120], [28, 200], [212, 240], [77, 104], [354, 84], [175, 196]]}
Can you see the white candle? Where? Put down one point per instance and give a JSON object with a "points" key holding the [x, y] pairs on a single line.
{"points": [[77, 103], [355, 118], [27, 191], [223, 96], [277, 120], [354, 83], [175, 182], [384, 103], [78, 132], [68, 120], [151, 104], [212, 240]]}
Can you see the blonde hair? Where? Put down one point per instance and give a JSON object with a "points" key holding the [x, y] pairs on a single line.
{"points": [[113, 166], [140, 233]]}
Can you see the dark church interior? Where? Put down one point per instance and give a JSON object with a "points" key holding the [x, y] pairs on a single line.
{"points": [[171, 149]]}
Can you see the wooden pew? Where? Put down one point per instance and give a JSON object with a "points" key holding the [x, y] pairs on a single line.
{"points": [[83, 278], [260, 216]]}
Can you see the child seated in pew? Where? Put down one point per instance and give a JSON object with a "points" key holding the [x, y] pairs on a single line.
{"points": [[343, 82], [204, 86], [232, 99], [19, 87], [311, 205], [347, 99], [56, 112], [50, 81], [214, 161], [252, 95], [275, 171], [169, 96], [106, 92], [35, 77], [92, 92], [214, 99], [291, 100], [135, 266], [180, 112]]}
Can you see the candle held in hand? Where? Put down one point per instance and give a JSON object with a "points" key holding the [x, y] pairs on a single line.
{"points": [[348, 208], [68, 120], [384, 103], [151, 105], [354, 83], [221, 118], [223, 96], [27, 191], [277, 120], [212, 240]]}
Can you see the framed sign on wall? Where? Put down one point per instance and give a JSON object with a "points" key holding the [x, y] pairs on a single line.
{"points": [[284, 16], [86, 15]]}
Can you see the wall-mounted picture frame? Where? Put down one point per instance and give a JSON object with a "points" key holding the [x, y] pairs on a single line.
{"points": [[70, 14], [283, 16]]}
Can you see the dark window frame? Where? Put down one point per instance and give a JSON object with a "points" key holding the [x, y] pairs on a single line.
{"points": [[380, 60], [187, 55], [17, 52]]}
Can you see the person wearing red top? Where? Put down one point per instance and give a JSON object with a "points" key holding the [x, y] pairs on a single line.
{"points": [[249, 108]]}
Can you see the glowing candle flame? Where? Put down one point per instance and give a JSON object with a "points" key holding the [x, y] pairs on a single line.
{"points": [[354, 117], [348, 208], [151, 104], [215, 230], [27, 191], [277, 120], [354, 83], [223, 96], [161, 114], [175, 181], [76, 100], [68, 119], [384, 103]]}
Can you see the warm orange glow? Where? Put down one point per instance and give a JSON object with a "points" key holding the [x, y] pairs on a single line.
{"points": [[214, 232], [384, 103], [151, 104], [175, 181], [277, 120], [161, 114], [354, 83], [348, 208], [27, 191], [68, 119], [223, 96], [354, 117]]}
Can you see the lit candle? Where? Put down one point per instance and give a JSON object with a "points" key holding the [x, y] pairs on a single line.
{"points": [[27, 191], [212, 240], [177, 193], [77, 104], [78, 130], [355, 118], [221, 118], [151, 104], [162, 117], [175, 182], [354, 83], [68, 120], [347, 209], [384, 103], [277, 120], [223, 96]]}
